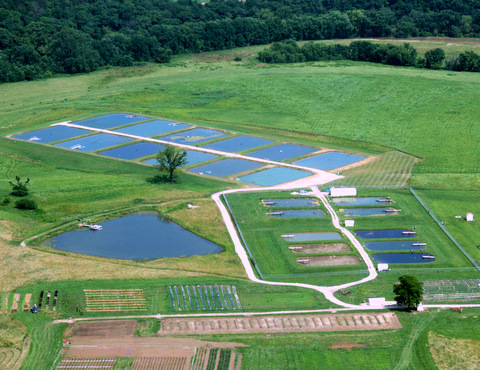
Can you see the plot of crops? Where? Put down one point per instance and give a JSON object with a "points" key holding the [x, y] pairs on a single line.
{"points": [[451, 290], [109, 300], [204, 297], [87, 363], [164, 363]]}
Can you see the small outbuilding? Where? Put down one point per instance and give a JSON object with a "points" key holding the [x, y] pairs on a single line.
{"points": [[382, 267], [343, 192], [349, 223], [469, 216]]}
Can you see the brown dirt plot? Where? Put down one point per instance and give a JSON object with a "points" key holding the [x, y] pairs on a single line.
{"points": [[321, 248], [332, 260], [280, 324]]}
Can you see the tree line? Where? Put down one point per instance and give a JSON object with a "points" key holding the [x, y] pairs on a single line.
{"points": [[398, 55], [39, 38]]}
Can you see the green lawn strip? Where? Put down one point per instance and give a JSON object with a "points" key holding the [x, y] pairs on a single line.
{"points": [[382, 286], [46, 340], [446, 204], [252, 296], [147, 327], [123, 363]]}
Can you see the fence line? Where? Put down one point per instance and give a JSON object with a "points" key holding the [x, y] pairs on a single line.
{"points": [[241, 236], [445, 230]]}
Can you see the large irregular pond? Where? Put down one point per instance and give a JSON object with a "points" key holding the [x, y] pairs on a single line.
{"points": [[141, 236]]}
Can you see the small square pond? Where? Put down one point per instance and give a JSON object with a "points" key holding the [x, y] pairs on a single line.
{"points": [[152, 128], [110, 120], [93, 142], [238, 144], [133, 151], [226, 167], [282, 152], [51, 134], [274, 176], [194, 136], [329, 160]]}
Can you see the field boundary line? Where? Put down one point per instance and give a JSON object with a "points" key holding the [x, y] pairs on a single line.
{"points": [[470, 258]]}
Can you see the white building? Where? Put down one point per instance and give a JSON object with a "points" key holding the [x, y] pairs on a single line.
{"points": [[382, 267], [349, 223], [343, 192], [469, 216]]}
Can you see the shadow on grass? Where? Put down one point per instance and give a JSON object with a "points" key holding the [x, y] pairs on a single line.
{"points": [[161, 179]]}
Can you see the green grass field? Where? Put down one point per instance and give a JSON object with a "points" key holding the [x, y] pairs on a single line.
{"points": [[420, 128]]}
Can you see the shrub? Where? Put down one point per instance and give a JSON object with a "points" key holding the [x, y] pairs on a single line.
{"points": [[6, 200], [238, 59], [26, 204]]}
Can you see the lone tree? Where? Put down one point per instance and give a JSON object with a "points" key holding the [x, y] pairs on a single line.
{"points": [[19, 188], [170, 159], [408, 291]]}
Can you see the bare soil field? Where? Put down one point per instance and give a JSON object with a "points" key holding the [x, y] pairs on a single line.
{"points": [[332, 260], [321, 248], [280, 324], [107, 329]]}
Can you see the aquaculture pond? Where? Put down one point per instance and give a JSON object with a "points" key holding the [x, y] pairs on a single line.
{"points": [[194, 136], [193, 157], [226, 167], [110, 120], [292, 202], [93, 142], [403, 257], [385, 234], [307, 237], [133, 151], [366, 212], [394, 245], [152, 128], [238, 144], [282, 152], [365, 201], [329, 160], [298, 213], [274, 176], [142, 236], [51, 134]]}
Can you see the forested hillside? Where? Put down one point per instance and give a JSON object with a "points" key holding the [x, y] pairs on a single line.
{"points": [[43, 37]]}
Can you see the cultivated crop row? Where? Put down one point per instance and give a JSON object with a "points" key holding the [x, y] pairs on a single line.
{"points": [[204, 297]]}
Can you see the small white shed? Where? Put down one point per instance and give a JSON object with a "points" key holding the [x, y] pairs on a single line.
{"points": [[382, 267], [376, 302], [349, 223], [469, 216], [343, 192]]}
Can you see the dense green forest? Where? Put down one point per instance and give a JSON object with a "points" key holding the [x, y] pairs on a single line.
{"points": [[42, 37]]}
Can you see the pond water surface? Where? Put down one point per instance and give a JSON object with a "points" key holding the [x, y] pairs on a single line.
{"points": [[110, 120], [274, 176], [366, 212], [293, 202], [365, 201], [152, 128], [282, 152], [329, 160], [385, 234], [226, 167], [93, 142], [141, 236], [51, 134], [194, 136], [238, 144], [298, 213], [307, 237], [192, 157], [133, 151], [403, 258]]}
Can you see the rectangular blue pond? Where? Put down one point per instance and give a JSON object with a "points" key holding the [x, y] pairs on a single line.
{"points": [[192, 157], [329, 160], [403, 258], [152, 128], [133, 151], [394, 245], [385, 234], [309, 237], [110, 120], [366, 212], [194, 136], [51, 134], [93, 142], [134, 237], [225, 167], [282, 151], [238, 144], [298, 213], [274, 176], [365, 201], [294, 202]]}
